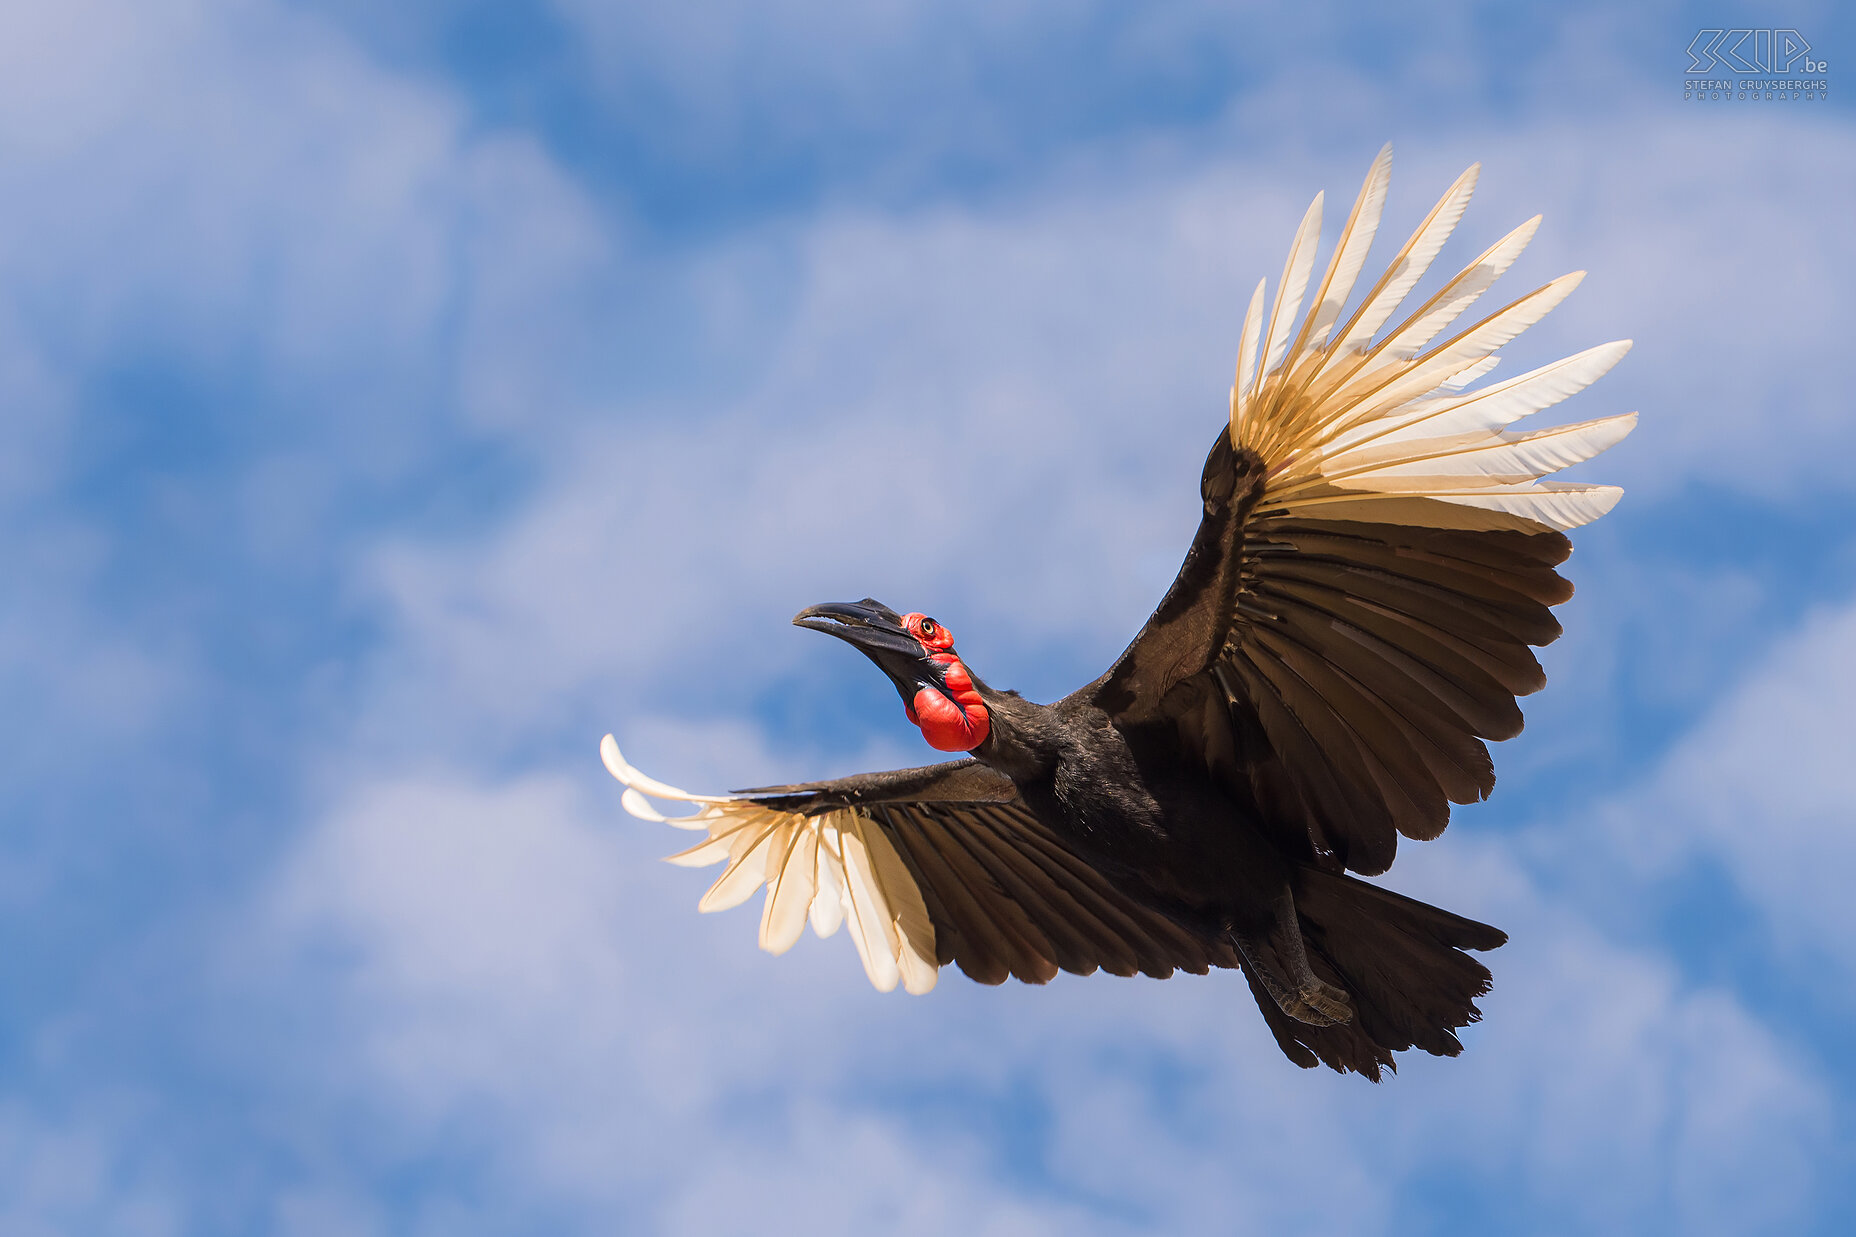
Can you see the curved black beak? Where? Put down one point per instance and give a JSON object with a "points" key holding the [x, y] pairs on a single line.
{"points": [[878, 632]]}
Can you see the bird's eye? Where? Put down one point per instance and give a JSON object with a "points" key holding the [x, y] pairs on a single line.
{"points": [[928, 628]]}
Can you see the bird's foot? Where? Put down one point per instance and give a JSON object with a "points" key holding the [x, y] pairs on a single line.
{"points": [[1316, 1003], [1305, 996]]}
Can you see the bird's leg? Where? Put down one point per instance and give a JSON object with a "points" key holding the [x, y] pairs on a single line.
{"points": [[1280, 962]]}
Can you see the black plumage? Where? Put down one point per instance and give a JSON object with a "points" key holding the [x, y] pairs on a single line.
{"points": [[1351, 625]]}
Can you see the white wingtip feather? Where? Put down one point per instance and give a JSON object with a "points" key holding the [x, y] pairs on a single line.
{"points": [[1294, 285], [1409, 265], [609, 755], [640, 807], [1355, 430], [616, 765], [1242, 394], [815, 869], [1350, 252], [1455, 297]]}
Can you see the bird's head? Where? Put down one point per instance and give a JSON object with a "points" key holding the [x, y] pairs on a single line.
{"points": [[918, 655]]}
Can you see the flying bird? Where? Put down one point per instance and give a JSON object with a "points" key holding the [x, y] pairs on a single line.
{"points": [[1352, 622]]}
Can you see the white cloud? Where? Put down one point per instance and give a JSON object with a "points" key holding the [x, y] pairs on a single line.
{"points": [[992, 409], [1599, 1066], [228, 197], [67, 1174], [517, 972], [1759, 786], [226, 202], [1739, 368], [515, 976], [232, 185], [996, 413]]}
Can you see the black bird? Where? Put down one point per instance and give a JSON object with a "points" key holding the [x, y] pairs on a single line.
{"points": [[1353, 619]]}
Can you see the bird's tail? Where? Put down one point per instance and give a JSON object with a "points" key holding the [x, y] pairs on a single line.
{"points": [[1402, 965]]}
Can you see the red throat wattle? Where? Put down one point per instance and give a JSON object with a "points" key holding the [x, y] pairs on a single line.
{"points": [[948, 726]]}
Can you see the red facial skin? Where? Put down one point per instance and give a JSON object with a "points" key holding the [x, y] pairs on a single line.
{"points": [[946, 727]]}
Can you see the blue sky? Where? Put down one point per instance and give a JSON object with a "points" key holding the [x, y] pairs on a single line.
{"points": [[397, 398]]}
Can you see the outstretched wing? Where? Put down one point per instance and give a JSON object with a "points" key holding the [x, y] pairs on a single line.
{"points": [[926, 866], [1376, 557]]}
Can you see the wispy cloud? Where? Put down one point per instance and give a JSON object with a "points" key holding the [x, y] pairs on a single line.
{"points": [[380, 429]]}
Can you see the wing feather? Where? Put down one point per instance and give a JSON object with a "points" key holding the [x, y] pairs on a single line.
{"points": [[1066, 943], [983, 952], [1294, 286], [747, 868], [1350, 251], [1243, 393], [790, 891], [923, 877], [1455, 297], [1399, 773], [1010, 936], [1407, 267], [1365, 598], [1157, 942]]}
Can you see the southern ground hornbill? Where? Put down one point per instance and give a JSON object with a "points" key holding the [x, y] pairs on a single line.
{"points": [[1353, 619]]}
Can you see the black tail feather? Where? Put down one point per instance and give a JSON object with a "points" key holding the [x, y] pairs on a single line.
{"points": [[1400, 962]]}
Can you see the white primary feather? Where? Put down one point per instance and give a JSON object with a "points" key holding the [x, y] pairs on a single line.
{"points": [[1350, 251], [1390, 387], [827, 913], [1357, 430], [640, 807], [1459, 294], [1408, 266], [1461, 379], [1294, 285], [747, 868], [789, 894], [1489, 408], [1524, 508], [615, 764], [873, 929], [1556, 505], [1242, 394], [1459, 459], [1388, 390], [821, 869], [902, 897], [730, 831]]}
